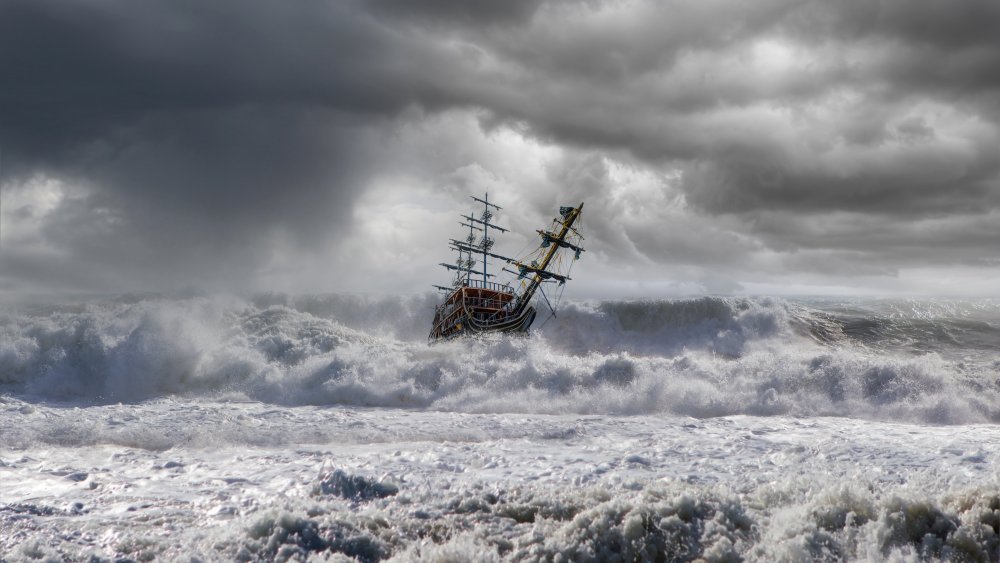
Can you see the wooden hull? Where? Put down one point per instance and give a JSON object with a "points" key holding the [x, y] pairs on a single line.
{"points": [[472, 311]]}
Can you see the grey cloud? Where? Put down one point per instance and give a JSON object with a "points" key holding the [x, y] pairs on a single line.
{"points": [[615, 87], [75, 70], [202, 128], [956, 24], [652, 228], [836, 263], [195, 131], [602, 41], [868, 244], [477, 13]]}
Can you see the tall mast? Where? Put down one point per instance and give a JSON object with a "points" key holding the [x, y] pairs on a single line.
{"points": [[558, 241], [484, 220], [486, 230], [466, 248], [471, 239]]}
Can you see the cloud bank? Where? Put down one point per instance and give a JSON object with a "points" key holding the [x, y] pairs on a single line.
{"points": [[779, 145]]}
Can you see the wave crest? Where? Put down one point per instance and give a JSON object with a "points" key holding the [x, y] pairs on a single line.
{"points": [[698, 357]]}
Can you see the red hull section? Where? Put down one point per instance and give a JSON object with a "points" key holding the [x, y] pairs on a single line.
{"points": [[475, 310]]}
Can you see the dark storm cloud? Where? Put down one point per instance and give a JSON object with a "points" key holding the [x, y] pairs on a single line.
{"points": [[198, 127], [79, 67], [477, 13], [626, 88], [650, 227], [960, 23], [885, 109], [192, 133]]}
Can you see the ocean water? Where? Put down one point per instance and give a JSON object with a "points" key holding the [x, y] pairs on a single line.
{"points": [[221, 428]]}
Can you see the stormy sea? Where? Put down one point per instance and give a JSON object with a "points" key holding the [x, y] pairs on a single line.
{"points": [[283, 427]]}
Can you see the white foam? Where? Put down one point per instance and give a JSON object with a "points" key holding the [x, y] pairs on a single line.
{"points": [[702, 357], [249, 480]]}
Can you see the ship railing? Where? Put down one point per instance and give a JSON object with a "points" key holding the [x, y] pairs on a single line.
{"points": [[480, 284]]}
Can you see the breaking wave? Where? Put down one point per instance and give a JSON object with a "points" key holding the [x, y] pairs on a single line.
{"points": [[656, 524], [659, 522], [927, 361]]}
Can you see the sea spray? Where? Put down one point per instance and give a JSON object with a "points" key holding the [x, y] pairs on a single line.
{"points": [[700, 357]]}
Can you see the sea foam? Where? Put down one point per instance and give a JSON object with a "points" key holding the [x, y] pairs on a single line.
{"points": [[701, 357]]}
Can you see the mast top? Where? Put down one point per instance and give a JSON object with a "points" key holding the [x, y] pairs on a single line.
{"points": [[483, 201]]}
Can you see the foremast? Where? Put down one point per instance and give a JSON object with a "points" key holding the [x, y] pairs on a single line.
{"points": [[555, 241]]}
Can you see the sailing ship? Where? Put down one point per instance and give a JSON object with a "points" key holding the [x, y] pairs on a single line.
{"points": [[475, 303]]}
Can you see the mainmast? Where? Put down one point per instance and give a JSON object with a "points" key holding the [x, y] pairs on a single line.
{"points": [[487, 243], [468, 247]]}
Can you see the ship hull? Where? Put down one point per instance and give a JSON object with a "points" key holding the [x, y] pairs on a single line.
{"points": [[476, 311], [481, 306]]}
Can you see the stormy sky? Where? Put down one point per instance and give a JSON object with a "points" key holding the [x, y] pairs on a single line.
{"points": [[721, 146]]}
